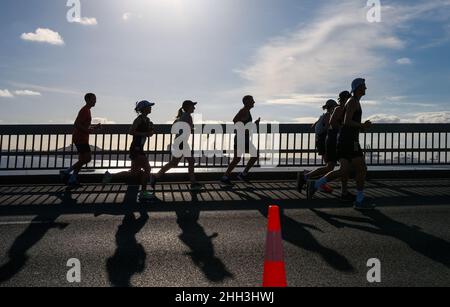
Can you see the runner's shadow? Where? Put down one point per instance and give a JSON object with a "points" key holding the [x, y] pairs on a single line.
{"points": [[298, 234], [201, 245], [17, 254], [130, 256], [423, 243]]}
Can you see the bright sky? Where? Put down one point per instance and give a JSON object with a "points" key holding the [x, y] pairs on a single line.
{"points": [[291, 55]]}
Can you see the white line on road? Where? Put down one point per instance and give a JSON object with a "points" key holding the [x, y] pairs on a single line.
{"points": [[24, 223]]}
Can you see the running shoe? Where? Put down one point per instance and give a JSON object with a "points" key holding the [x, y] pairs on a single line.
{"points": [[196, 186], [107, 178], [326, 188], [242, 177], [145, 196], [226, 181], [366, 204], [64, 176]]}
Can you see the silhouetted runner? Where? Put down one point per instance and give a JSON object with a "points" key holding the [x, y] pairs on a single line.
{"points": [[184, 116], [321, 128], [80, 137], [348, 148], [141, 129], [244, 116]]}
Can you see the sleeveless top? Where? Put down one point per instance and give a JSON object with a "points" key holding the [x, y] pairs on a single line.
{"points": [[352, 133], [143, 127]]}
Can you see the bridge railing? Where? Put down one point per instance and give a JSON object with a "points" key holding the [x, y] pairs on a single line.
{"points": [[49, 147]]}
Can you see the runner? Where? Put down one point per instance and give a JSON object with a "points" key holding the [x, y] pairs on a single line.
{"points": [[244, 116], [141, 129], [323, 145], [184, 115], [80, 137], [349, 149]]}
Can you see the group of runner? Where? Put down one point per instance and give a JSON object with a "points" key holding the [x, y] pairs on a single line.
{"points": [[337, 140]]}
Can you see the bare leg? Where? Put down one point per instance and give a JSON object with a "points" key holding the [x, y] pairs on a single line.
{"points": [[191, 162], [232, 165], [173, 163], [250, 164], [329, 167], [83, 159]]}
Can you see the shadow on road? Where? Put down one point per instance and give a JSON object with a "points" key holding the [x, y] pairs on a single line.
{"points": [[298, 234], [130, 256], [378, 223], [201, 245]]}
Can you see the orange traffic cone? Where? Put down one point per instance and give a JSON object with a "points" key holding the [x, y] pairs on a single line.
{"points": [[274, 270]]}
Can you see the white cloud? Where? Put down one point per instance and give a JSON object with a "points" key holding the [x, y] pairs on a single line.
{"points": [[404, 61], [5, 94], [384, 119], [86, 21], [433, 117], [44, 36], [102, 120], [27, 93], [325, 54], [417, 118], [302, 99]]}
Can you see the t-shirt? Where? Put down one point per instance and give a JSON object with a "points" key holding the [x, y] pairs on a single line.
{"points": [[84, 118]]}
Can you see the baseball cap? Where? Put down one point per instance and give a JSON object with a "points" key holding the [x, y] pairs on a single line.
{"points": [[330, 104], [188, 103], [143, 104], [357, 83]]}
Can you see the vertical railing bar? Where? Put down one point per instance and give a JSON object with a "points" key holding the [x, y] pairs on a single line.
{"points": [[17, 151], [103, 150], [25, 151], [56, 150]]}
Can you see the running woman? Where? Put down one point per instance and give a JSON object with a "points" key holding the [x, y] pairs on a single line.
{"points": [[322, 128], [349, 149], [141, 129], [184, 115], [244, 116], [80, 137]]}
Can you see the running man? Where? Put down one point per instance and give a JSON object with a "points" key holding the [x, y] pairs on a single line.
{"points": [[322, 129], [348, 148], [141, 129], [244, 116], [80, 138], [184, 115]]}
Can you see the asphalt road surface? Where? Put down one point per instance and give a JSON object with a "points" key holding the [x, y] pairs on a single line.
{"points": [[215, 242]]}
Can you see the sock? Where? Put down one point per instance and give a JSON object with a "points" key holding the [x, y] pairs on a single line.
{"points": [[320, 183], [360, 196]]}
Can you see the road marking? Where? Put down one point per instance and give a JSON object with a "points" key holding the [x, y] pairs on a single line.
{"points": [[24, 223]]}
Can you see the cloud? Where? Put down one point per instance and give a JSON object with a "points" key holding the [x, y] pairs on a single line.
{"points": [[5, 94], [102, 120], [324, 55], [27, 93], [44, 36], [404, 61], [302, 99], [86, 21], [416, 118]]}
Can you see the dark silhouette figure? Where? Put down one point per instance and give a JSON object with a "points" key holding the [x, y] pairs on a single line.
{"points": [[428, 245], [130, 256], [201, 245], [17, 254]]}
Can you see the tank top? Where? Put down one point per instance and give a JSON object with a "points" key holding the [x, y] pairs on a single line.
{"points": [[352, 133], [143, 127]]}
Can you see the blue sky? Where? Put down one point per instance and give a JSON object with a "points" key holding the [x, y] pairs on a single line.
{"points": [[291, 55]]}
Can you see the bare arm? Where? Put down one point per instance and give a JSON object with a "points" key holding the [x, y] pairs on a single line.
{"points": [[352, 106], [133, 129]]}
